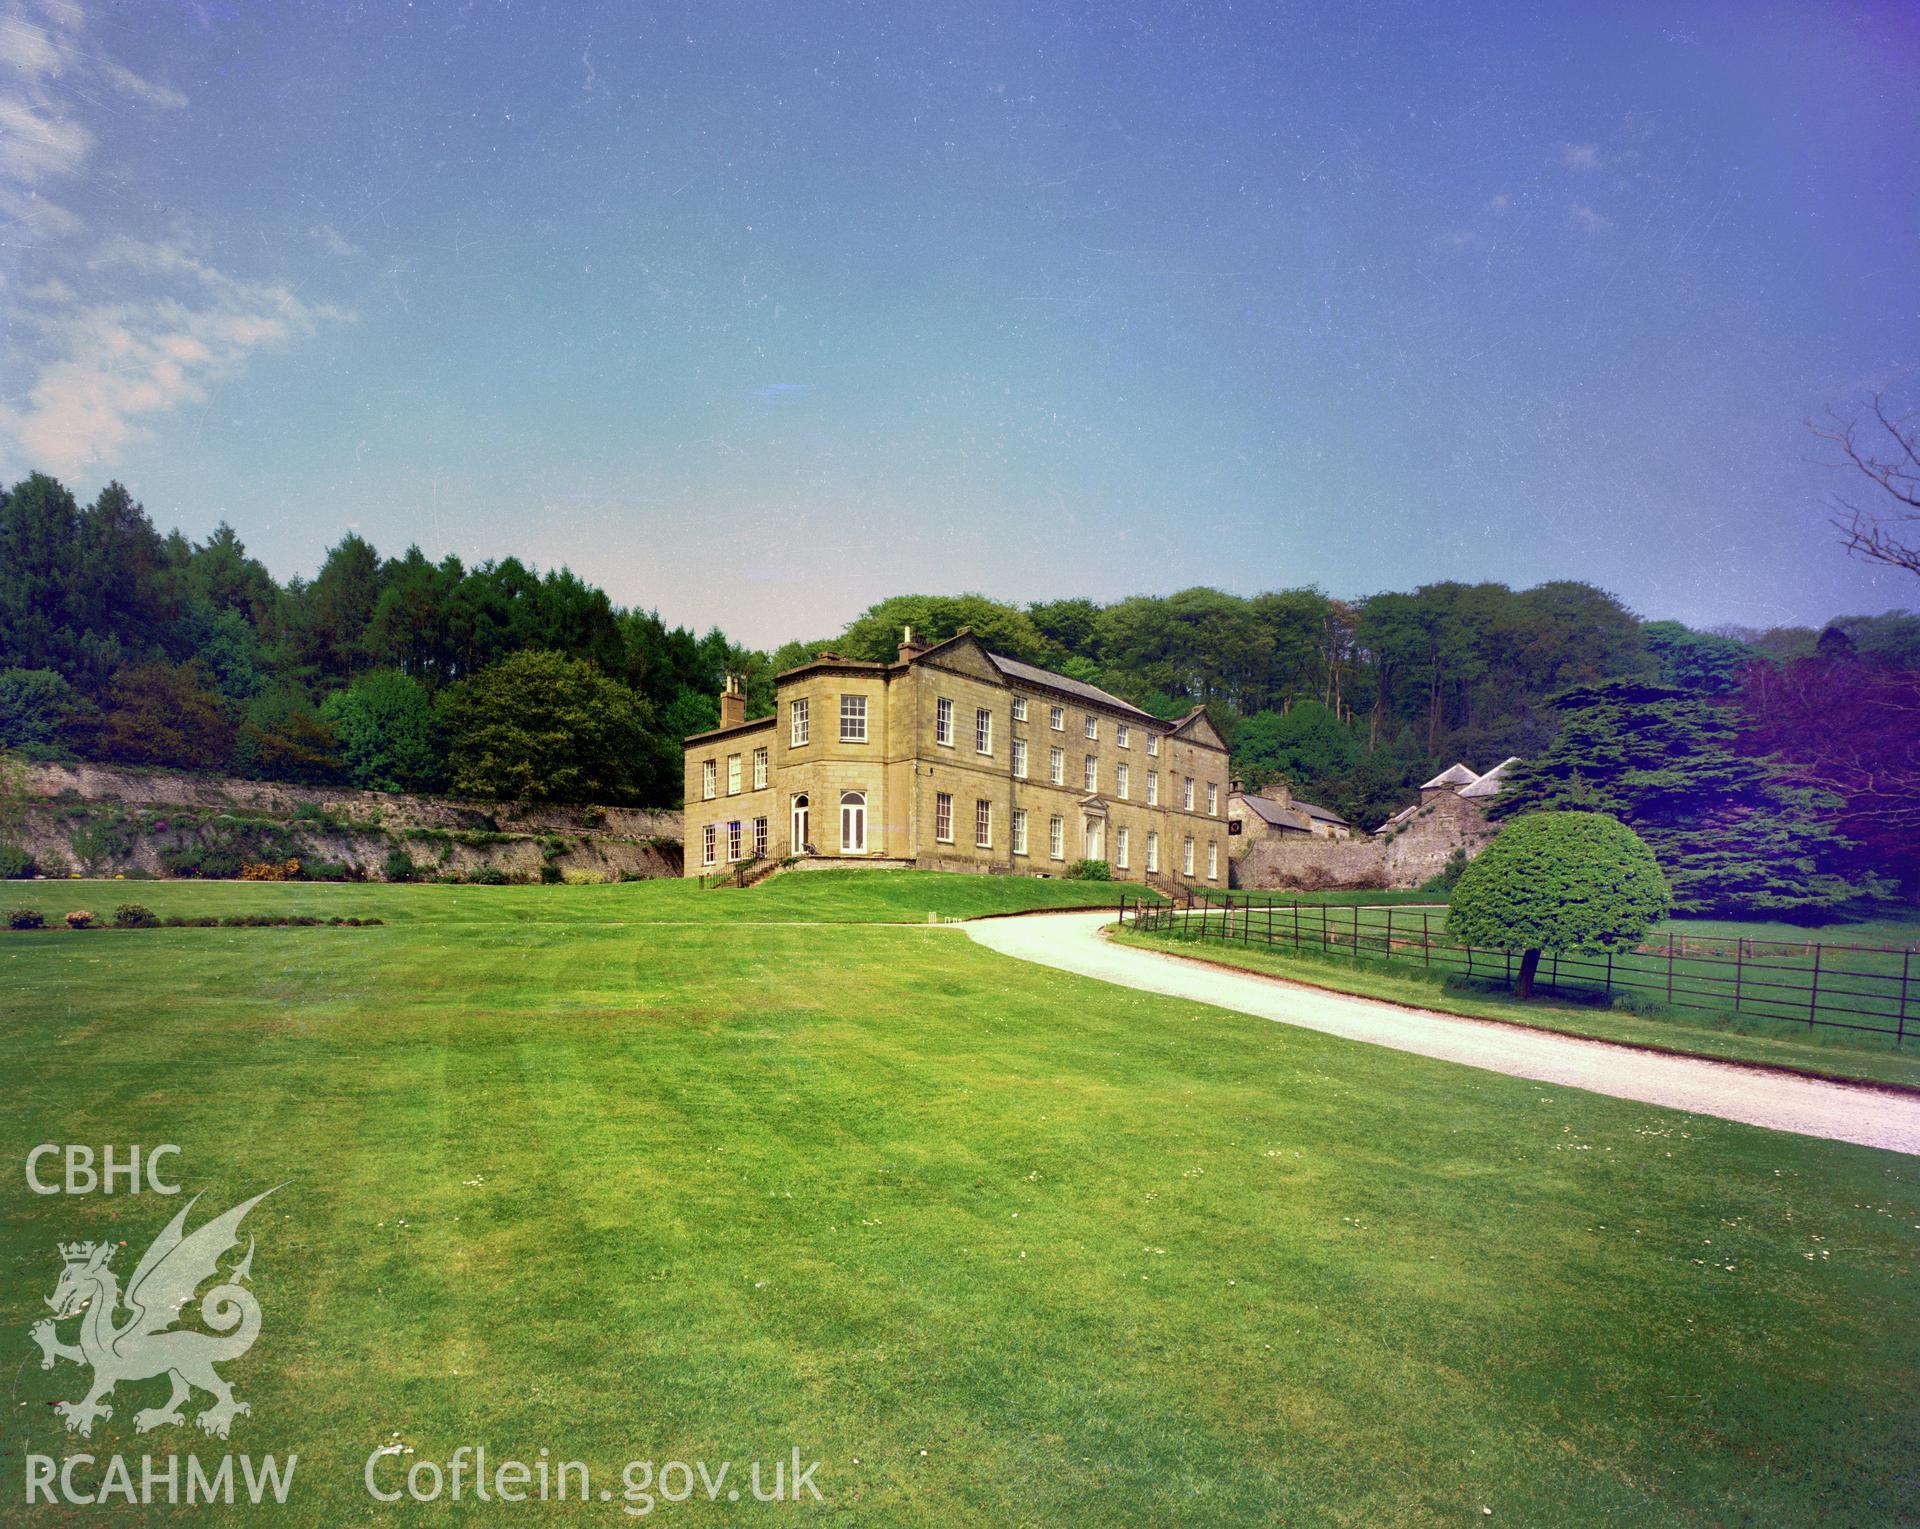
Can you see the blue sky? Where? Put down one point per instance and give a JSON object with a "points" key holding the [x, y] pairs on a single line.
{"points": [[756, 314]]}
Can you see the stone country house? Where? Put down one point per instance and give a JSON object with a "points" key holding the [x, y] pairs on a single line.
{"points": [[1407, 850], [955, 758]]}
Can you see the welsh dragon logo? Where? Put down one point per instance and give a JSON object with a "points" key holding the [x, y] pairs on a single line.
{"points": [[147, 1343]]}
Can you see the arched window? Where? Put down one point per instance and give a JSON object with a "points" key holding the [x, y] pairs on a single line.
{"points": [[853, 822], [800, 824]]}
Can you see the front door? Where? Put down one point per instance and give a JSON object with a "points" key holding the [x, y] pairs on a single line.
{"points": [[1096, 838]]}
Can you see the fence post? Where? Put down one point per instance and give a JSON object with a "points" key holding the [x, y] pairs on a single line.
{"points": [[1739, 969], [1906, 965], [1669, 969], [1325, 943], [1606, 990], [1426, 943], [1813, 993]]}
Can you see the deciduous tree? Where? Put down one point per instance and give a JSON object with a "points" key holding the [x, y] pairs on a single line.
{"points": [[1565, 883]]}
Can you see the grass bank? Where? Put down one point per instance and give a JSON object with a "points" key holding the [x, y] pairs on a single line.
{"points": [[614, 1172]]}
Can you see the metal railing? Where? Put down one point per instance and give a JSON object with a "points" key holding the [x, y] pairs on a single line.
{"points": [[1866, 988]]}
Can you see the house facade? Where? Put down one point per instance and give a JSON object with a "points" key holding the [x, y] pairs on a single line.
{"points": [[957, 759], [1277, 814]]}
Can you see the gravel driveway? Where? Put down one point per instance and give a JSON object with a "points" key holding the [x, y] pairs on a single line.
{"points": [[1780, 1101]]}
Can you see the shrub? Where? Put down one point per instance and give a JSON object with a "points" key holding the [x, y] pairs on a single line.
{"points": [[225, 843], [80, 918], [1573, 883], [15, 863], [398, 866], [550, 874], [487, 876], [26, 918], [1089, 870], [269, 870], [134, 916], [1448, 876]]}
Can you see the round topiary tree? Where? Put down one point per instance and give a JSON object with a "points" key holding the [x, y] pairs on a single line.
{"points": [[1569, 883]]}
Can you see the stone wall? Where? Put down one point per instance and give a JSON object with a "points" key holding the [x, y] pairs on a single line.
{"points": [[107, 820], [1414, 854]]}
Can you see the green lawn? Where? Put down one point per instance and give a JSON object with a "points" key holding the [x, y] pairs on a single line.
{"points": [[619, 1172], [795, 896]]}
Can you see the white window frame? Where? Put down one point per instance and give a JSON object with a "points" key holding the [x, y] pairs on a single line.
{"points": [[1121, 780], [943, 722], [1019, 750], [1213, 799], [759, 769], [1093, 726], [982, 824], [1153, 745], [856, 803], [1057, 766], [708, 844], [733, 775], [800, 821], [1057, 718], [1123, 735], [1056, 837], [982, 731], [1019, 708], [759, 838], [709, 779], [1213, 860], [1090, 773], [1120, 846], [1153, 853], [853, 710], [733, 841], [799, 724], [1186, 857], [1019, 830], [1153, 788], [1186, 794], [943, 817]]}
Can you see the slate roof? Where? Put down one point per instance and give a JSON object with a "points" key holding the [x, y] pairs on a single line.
{"points": [[1274, 815], [1456, 775], [1033, 674], [1490, 783], [1296, 817]]}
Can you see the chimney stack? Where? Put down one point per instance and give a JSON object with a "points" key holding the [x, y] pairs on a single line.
{"points": [[909, 649], [733, 702]]}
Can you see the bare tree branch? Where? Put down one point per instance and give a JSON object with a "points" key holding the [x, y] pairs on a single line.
{"points": [[1879, 531]]}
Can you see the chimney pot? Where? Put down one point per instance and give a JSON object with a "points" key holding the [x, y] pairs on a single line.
{"points": [[733, 702]]}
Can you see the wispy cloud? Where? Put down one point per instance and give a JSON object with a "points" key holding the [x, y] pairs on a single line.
{"points": [[155, 323], [108, 366], [1581, 156], [334, 242], [1587, 219]]}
